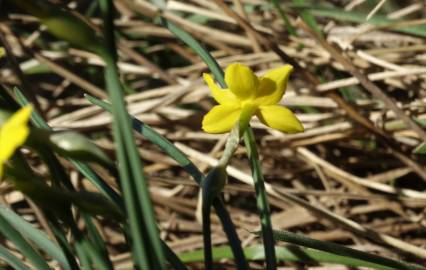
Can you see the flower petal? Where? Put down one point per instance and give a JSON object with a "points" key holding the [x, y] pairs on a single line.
{"points": [[279, 117], [272, 85], [241, 80], [221, 118], [14, 133], [222, 96]]}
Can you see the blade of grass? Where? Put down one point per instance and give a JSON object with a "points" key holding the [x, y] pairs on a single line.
{"points": [[290, 253], [359, 17], [11, 259], [39, 238], [341, 250], [153, 136], [9, 232], [134, 184], [96, 239], [308, 18], [198, 49], [284, 17]]}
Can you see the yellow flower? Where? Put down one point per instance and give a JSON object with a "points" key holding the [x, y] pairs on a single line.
{"points": [[13, 134], [2, 52], [249, 95]]}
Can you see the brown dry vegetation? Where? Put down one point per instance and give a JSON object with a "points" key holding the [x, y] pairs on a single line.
{"points": [[350, 178]]}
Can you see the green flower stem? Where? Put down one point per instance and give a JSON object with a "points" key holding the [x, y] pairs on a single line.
{"points": [[215, 181], [262, 201], [228, 226]]}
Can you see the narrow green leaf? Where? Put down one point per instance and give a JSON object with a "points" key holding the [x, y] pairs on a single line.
{"points": [[9, 232], [341, 250], [39, 238], [308, 18], [196, 46], [284, 17], [160, 3], [359, 17], [11, 259], [286, 254], [153, 136], [146, 240], [420, 149]]}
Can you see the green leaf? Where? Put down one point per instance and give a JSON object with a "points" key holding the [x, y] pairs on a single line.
{"points": [[196, 46], [359, 17], [11, 259], [12, 234], [160, 3], [341, 250], [39, 238], [420, 149], [285, 254], [308, 18], [147, 247], [284, 17]]}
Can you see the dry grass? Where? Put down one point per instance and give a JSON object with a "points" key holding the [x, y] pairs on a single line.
{"points": [[349, 178]]}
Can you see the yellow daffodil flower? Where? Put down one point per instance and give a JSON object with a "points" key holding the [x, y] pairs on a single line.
{"points": [[249, 95], [13, 134]]}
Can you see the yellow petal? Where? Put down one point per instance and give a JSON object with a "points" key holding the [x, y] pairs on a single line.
{"points": [[2, 52], [279, 117], [222, 96], [221, 118], [14, 133], [272, 85], [241, 80]]}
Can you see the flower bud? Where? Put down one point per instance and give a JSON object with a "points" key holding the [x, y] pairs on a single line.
{"points": [[63, 24], [74, 145]]}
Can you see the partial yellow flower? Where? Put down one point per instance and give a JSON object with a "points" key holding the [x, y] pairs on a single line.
{"points": [[249, 95], [13, 134], [2, 52]]}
